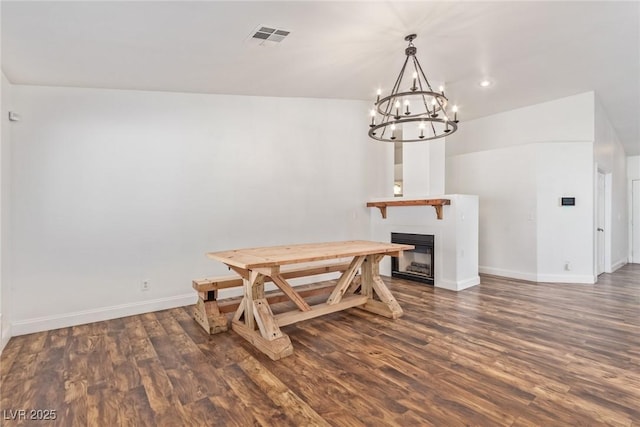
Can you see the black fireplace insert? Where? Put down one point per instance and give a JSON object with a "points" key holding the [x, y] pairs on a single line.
{"points": [[418, 264]]}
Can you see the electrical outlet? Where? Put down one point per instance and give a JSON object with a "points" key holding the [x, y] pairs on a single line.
{"points": [[145, 285], [567, 266]]}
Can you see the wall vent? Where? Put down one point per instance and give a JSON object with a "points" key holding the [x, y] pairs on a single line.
{"points": [[264, 35]]}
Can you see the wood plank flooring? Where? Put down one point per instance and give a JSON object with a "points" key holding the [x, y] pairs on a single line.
{"points": [[505, 353]]}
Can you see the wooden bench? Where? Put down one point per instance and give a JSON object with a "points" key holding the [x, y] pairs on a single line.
{"points": [[211, 313]]}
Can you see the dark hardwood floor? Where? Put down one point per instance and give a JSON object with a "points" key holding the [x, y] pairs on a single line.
{"points": [[506, 352]]}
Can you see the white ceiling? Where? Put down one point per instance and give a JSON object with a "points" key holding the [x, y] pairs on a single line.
{"points": [[532, 51]]}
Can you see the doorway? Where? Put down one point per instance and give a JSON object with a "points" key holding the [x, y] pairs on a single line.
{"points": [[600, 221], [635, 221]]}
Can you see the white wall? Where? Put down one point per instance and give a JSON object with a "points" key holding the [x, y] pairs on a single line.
{"points": [[611, 160], [567, 119], [565, 234], [505, 181], [5, 186], [633, 167], [114, 187], [424, 168], [633, 173], [520, 163], [381, 171]]}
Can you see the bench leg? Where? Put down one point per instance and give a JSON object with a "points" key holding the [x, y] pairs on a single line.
{"points": [[207, 313], [276, 348], [254, 311], [380, 301]]}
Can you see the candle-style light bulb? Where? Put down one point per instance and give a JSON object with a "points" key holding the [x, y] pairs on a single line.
{"points": [[446, 124], [393, 130], [442, 90], [373, 118], [378, 93], [415, 79], [421, 126], [406, 107], [434, 113], [397, 109], [455, 113]]}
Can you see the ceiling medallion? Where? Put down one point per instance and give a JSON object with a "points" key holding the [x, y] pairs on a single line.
{"points": [[417, 113]]}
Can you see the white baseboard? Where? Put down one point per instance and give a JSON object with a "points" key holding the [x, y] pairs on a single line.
{"points": [[5, 333], [586, 279], [619, 264], [458, 285], [39, 324], [533, 277], [6, 336], [521, 275]]}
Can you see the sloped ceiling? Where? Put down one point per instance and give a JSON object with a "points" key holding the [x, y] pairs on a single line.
{"points": [[531, 51]]}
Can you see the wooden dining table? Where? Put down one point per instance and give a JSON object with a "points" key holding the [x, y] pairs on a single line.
{"points": [[359, 286]]}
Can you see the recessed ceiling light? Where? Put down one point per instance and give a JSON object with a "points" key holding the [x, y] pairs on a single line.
{"points": [[485, 83]]}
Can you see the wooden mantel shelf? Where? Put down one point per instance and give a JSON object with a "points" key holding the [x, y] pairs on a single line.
{"points": [[436, 203]]}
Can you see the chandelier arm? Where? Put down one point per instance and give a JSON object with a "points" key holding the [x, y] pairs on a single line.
{"points": [[396, 86], [426, 106], [424, 76], [437, 98], [424, 99], [444, 111], [395, 89]]}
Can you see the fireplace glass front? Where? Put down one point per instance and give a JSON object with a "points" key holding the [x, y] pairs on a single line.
{"points": [[418, 264]]}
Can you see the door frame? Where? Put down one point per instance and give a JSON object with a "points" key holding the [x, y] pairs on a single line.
{"points": [[634, 223], [602, 219], [600, 223]]}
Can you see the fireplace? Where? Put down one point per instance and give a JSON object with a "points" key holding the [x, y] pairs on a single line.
{"points": [[416, 265]]}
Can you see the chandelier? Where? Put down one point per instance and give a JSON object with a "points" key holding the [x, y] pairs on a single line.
{"points": [[417, 113]]}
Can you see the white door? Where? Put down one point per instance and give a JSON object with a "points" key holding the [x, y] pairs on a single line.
{"points": [[635, 222], [600, 225]]}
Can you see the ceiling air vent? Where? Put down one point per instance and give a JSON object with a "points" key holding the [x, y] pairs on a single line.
{"points": [[264, 36]]}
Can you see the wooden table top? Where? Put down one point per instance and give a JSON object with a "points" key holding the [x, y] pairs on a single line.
{"points": [[272, 256]]}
